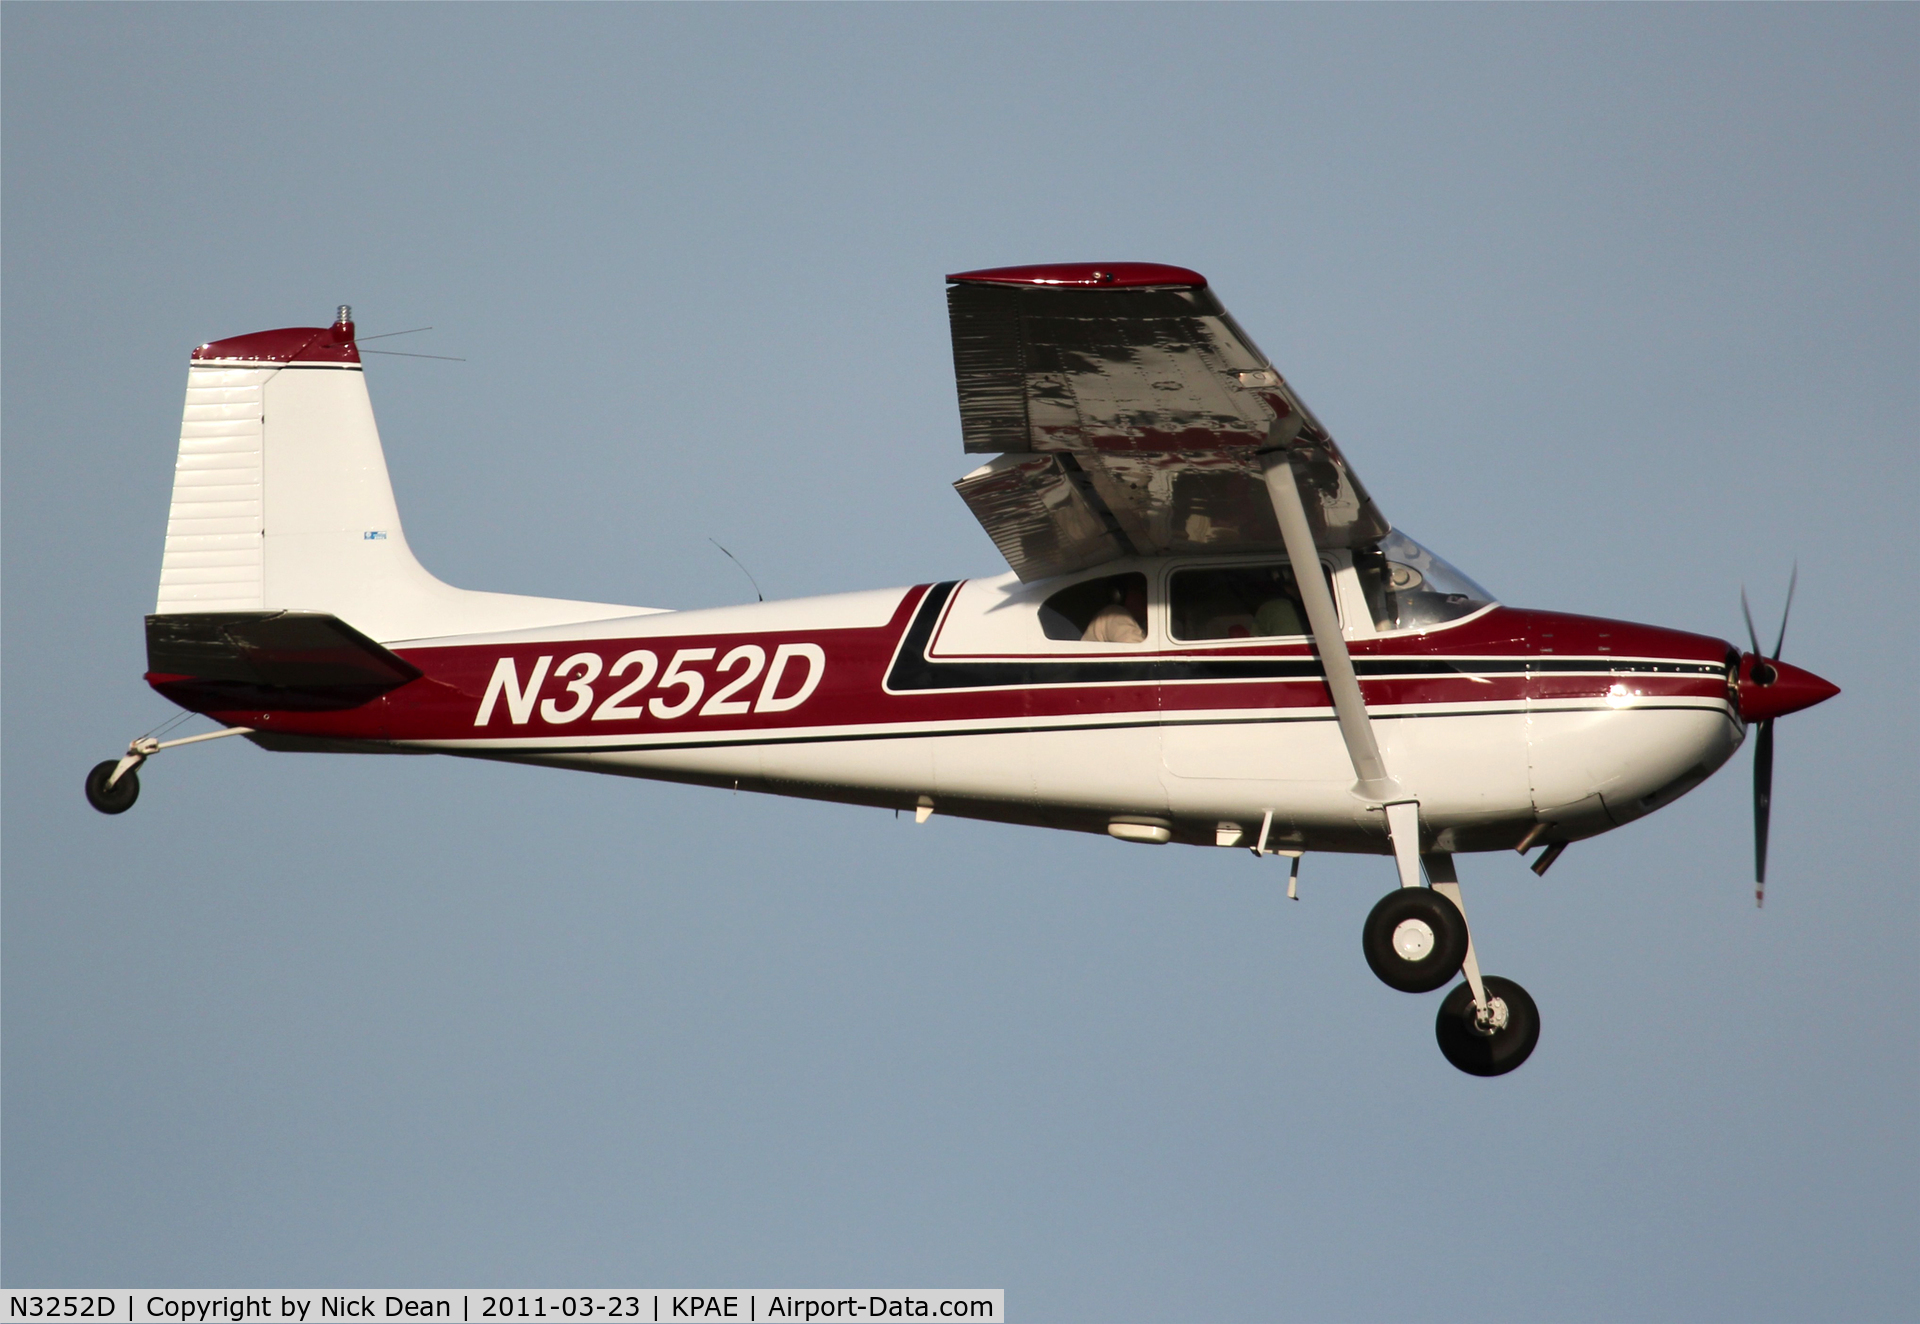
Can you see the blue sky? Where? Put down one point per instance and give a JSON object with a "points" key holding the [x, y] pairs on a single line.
{"points": [[1615, 307]]}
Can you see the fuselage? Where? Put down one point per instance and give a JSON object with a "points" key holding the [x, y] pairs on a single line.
{"points": [[960, 698]]}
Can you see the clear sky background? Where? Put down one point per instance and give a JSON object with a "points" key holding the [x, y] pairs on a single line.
{"points": [[1618, 308]]}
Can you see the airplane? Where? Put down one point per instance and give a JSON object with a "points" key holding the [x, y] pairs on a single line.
{"points": [[1153, 667]]}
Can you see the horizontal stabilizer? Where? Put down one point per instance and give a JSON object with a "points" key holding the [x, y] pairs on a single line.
{"points": [[269, 659]]}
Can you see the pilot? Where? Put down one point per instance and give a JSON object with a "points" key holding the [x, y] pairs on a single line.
{"points": [[1280, 614], [1123, 620]]}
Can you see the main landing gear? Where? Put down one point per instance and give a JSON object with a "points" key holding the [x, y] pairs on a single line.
{"points": [[1490, 1042], [1416, 939], [114, 784]]}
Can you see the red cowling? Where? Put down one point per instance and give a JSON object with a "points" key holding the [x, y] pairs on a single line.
{"points": [[1089, 275], [1789, 690]]}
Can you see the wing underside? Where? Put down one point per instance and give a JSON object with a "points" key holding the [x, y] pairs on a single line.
{"points": [[1129, 419]]}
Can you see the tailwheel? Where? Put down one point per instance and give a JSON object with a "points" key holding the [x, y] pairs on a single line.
{"points": [[114, 784], [108, 795], [1490, 1043], [1415, 939]]}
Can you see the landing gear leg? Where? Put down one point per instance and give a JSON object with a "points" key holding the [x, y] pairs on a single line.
{"points": [[1403, 826], [1488, 1025], [1416, 937], [1447, 883]]}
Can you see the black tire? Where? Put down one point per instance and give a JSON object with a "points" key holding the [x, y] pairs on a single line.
{"points": [[1438, 934], [1492, 1054], [117, 798]]}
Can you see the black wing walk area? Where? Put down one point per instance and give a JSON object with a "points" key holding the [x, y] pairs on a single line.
{"points": [[1128, 420], [287, 660]]}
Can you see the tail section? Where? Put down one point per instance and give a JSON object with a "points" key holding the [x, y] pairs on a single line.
{"points": [[281, 500]]}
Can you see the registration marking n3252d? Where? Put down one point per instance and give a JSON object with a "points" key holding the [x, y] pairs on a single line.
{"points": [[786, 681]]}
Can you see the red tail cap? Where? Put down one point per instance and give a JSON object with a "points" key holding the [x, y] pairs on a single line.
{"points": [[1088, 275], [289, 344]]}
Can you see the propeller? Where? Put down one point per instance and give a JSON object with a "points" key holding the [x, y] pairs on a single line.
{"points": [[1764, 673]]}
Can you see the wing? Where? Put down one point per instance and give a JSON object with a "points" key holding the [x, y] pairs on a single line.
{"points": [[1129, 410]]}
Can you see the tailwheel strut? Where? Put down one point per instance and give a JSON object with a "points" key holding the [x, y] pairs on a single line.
{"points": [[114, 784]]}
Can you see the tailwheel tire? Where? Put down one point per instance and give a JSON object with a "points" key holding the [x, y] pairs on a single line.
{"points": [[117, 798], [1415, 940], [1502, 1043]]}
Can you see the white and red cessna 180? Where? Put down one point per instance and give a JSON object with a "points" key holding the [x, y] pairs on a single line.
{"points": [[1155, 667]]}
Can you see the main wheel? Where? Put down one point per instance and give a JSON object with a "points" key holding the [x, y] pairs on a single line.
{"points": [[1415, 939], [1503, 1042], [117, 798]]}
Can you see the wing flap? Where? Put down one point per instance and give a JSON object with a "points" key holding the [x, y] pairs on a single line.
{"points": [[1040, 513]]}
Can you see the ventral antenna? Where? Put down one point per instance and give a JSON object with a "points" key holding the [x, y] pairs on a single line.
{"points": [[743, 569]]}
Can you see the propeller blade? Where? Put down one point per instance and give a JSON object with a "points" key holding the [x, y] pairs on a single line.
{"points": [[1753, 636], [1762, 808], [1784, 612]]}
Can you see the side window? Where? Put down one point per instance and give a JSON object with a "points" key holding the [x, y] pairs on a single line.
{"points": [[1237, 602], [1111, 610]]}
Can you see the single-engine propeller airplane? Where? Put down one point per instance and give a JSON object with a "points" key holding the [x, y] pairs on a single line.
{"points": [[1210, 633]]}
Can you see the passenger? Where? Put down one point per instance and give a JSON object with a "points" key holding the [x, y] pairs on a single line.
{"points": [[1228, 623], [1220, 615], [1121, 621]]}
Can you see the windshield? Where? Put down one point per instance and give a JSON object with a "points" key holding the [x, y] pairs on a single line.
{"points": [[1407, 587]]}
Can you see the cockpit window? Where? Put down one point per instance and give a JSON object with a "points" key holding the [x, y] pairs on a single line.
{"points": [[1407, 587], [1111, 610], [1237, 602]]}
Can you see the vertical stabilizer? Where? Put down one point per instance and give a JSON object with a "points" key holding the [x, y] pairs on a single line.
{"points": [[281, 500]]}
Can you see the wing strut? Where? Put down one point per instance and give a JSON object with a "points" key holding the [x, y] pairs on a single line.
{"points": [[1349, 706]]}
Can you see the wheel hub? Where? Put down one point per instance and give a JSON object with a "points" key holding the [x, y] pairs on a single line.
{"points": [[1493, 1020], [1413, 939]]}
